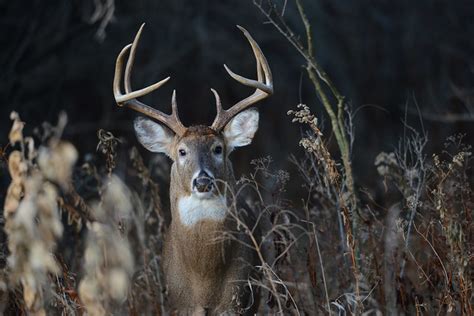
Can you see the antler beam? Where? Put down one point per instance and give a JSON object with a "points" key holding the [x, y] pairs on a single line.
{"points": [[129, 99], [263, 86]]}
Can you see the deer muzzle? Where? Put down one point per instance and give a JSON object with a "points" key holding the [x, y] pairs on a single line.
{"points": [[203, 183]]}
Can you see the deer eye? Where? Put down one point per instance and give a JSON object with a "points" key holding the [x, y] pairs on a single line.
{"points": [[218, 150], [182, 152]]}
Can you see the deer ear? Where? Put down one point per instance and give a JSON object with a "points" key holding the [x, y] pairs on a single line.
{"points": [[153, 136], [241, 129]]}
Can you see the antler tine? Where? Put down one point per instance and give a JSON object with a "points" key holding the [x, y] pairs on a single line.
{"points": [[174, 115], [263, 86], [131, 60], [218, 102], [129, 99]]}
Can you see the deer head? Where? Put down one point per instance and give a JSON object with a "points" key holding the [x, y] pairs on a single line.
{"points": [[199, 153]]}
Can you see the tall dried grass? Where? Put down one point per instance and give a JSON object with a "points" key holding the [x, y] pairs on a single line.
{"points": [[414, 255], [338, 250]]}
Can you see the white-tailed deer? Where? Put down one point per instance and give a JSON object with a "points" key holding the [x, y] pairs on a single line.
{"points": [[204, 273]]}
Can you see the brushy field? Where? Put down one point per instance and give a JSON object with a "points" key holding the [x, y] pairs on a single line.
{"points": [[87, 239], [82, 240]]}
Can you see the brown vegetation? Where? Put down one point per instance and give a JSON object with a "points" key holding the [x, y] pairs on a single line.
{"points": [[89, 238]]}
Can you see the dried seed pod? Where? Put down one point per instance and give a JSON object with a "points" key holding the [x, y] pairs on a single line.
{"points": [[16, 132]]}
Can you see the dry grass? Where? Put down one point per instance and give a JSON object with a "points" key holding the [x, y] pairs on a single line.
{"points": [[415, 256]]}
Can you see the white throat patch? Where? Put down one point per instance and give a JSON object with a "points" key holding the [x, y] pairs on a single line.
{"points": [[193, 209]]}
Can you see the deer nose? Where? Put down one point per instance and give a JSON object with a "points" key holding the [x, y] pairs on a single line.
{"points": [[203, 182]]}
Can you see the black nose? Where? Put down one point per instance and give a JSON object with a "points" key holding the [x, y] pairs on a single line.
{"points": [[203, 182]]}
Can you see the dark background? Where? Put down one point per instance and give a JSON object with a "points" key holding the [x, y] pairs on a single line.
{"points": [[384, 56]]}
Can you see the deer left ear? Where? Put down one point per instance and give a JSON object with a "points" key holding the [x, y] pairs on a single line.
{"points": [[153, 136], [241, 129]]}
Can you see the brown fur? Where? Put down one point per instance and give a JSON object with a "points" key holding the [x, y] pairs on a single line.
{"points": [[204, 272]]}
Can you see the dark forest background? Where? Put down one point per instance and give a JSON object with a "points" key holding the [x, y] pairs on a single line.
{"points": [[390, 59]]}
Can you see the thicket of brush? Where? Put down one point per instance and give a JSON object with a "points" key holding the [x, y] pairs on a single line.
{"points": [[81, 240], [83, 235]]}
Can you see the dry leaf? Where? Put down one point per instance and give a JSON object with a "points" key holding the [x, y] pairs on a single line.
{"points": [[16, 166], [16, 132], [57, 163]]}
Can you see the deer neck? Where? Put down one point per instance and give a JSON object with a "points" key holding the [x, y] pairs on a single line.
{"points": [[197, 232]]}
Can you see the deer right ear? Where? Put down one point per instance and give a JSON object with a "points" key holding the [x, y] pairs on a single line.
{"points": [[241, 129], [153, 136]]}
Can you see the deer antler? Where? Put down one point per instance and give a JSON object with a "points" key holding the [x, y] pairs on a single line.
{"points": [[129, 99], [263, 86]]}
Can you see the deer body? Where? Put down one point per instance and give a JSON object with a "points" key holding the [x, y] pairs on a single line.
{"points": [[202, 268], [203, 273], [205, 270]]}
